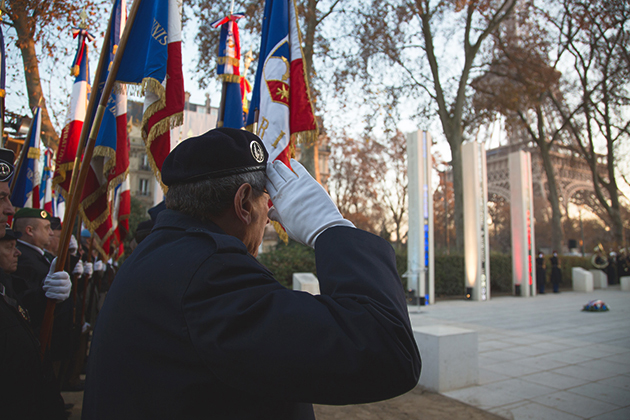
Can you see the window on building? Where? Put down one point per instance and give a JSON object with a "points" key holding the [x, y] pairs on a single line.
{"points": [[145, 162], [144, 187]]}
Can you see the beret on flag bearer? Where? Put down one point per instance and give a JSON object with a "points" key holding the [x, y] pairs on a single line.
{"points": [[55, 223], [7, 169], [30, 213], [10, 234], [218, 153]]}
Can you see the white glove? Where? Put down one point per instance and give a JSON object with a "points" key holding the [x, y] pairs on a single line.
{"points": [[87, 269], [300, 204], [85, 328], [78, 269], [99, 266], [74, 246], [57, 285]]}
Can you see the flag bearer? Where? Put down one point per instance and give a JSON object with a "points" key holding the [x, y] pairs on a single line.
{"points": [[28, 389]]}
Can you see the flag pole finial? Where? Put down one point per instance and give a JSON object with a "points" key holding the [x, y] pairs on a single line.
{"points": [[83, 15]]}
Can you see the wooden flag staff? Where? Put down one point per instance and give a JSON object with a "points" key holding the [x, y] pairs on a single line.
{"points": [[75, 190]]}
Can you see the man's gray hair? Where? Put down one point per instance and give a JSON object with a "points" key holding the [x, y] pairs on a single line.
{"points": [[211, 197]]}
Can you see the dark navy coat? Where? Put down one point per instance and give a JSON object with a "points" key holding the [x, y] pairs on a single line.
{"points": [[195, 327]]}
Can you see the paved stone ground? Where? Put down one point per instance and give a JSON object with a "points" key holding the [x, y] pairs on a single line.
{"points": [[539, 358], [542, 357], [417, 404]]}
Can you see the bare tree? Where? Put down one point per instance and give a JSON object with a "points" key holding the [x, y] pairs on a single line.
{"points": [[518, 85], [394, 184], [404, 44], [595, 34], [356, 167], [35, 22]]}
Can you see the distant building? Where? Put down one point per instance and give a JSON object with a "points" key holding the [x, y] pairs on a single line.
{"points": [[197, 120]]}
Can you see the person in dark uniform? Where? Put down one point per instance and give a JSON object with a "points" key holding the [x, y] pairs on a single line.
{"points": [[33, 266], [195, 327], [541, 273], [27, 386], [611, 269], [556, 272]]}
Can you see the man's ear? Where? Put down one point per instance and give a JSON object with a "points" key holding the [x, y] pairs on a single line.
{"points": [[28, 230], [243, 203]]}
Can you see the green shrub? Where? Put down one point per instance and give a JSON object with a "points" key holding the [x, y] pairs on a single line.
{"points": [[449, 275], [500, 273], [449, 269], [288, 259]]}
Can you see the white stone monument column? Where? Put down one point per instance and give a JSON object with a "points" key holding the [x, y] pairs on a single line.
{"points": [[476, 247], [521, 215], [420, 253]]}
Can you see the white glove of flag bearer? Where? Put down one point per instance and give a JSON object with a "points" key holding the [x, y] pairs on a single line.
{"points": [[99, 266], [88, 269], [57, 285], [300, 204], [78, 269]]}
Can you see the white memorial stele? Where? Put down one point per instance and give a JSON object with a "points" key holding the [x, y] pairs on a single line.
{"points": [[521, 216], [476, 246], [420, 252]]}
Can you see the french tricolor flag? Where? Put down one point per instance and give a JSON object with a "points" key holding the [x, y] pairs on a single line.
{"points": [[281, 98], [27, 181], [69, 141], [110, 162], [153, 59]]}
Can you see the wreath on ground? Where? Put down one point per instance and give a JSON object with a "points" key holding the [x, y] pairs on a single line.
{"points": [[595, 306]]}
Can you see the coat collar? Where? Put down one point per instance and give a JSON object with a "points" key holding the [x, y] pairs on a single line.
{"points": [[172, 219]]}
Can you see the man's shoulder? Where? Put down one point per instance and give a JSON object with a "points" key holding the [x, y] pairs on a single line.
{"points": [[172, 222]]}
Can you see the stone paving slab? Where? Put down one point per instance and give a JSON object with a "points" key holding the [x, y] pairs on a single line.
{"points": [[542, 357]]}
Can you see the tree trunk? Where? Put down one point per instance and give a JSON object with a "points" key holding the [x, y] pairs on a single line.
{"points": [[557, 233], [26, 43], [307, 157]]}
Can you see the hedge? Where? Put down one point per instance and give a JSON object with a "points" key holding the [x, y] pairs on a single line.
{"points": [[449, 269]]}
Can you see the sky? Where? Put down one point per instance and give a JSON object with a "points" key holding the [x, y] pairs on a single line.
{"points": [[58, 85]]}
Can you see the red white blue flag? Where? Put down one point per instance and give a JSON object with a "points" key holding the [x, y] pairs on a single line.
{"points": [[110, 162], [153, 59], [228, 69], [3, 70], [281, 110], [71, 133], [26, 190], [121, 212], [46, 188]]}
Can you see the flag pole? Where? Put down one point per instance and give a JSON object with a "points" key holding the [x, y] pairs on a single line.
{"points": [[72, 207]]}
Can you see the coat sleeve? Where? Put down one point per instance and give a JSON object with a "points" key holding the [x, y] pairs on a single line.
{"points": [[351, 344]]}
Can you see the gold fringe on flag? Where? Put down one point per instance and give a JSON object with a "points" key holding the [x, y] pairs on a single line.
{"points": [[63, 170], [228, 60], [282, 234], [74, 70], [230, 78]]}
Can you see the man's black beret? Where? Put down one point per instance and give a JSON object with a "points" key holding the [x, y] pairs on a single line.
{"points": [[6, 164], [10, 234], [218, 153]]}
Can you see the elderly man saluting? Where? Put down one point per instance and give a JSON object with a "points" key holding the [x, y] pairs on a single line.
{"points": [[195, 327]]}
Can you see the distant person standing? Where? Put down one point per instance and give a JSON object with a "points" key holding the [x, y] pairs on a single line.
{"points": [[611, 269], [541, 273], [556, 272]]}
